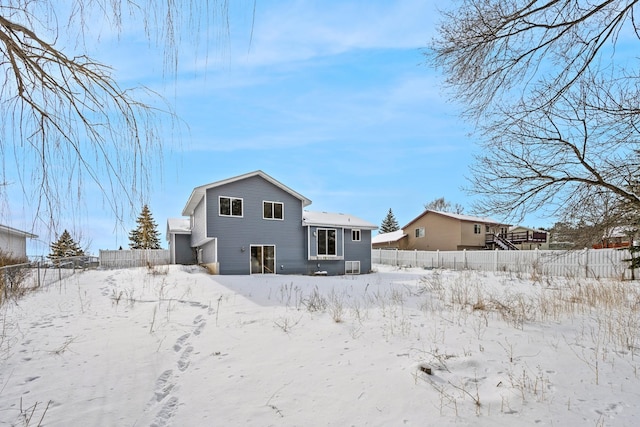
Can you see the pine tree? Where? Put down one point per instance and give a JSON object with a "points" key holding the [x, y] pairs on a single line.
{"points": [[65, 247], [389, 223], [145, 235]]}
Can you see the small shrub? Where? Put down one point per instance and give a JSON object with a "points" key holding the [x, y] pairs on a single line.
{"points": [[13, 276], [336, 306], [157, 270], [315, 302]]}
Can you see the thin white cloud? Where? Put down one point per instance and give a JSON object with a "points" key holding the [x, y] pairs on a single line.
{"points": [[298, 31]]}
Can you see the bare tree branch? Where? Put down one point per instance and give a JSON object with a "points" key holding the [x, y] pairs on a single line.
{"points": [[554, 93], [67, 126], [493, 50], [557, 159]]}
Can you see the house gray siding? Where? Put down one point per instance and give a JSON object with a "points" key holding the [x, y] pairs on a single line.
{"points": [[353, 251], [208, 251], [198, 224], [358, 251], [236, 234], [182, 249]]}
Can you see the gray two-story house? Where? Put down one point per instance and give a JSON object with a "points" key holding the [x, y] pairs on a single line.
{"points": [[254, 224]]}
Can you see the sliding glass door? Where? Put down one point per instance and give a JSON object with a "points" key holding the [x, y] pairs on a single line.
{"points": [[263, 259]]}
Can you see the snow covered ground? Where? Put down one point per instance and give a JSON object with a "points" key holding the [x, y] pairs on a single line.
{"points": [[174, 346]]}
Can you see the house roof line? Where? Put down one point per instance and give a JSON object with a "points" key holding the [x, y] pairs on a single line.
{"points": [[178, 226], [390, 237], [333, 219], [460, 217], [198, 193], [15, 231]]}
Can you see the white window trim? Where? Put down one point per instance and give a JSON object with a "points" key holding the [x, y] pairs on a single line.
{"points": [[356, 230], [231, 199], [419, 232], [326, 242], [351, 270], [272, 210]]}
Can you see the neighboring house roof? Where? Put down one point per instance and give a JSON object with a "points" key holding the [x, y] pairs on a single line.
{"points": [[330, 219], [198, 193], [178, 226], [460, 217], [620, 231], [521, 227], [10, 230], [391, 237]]}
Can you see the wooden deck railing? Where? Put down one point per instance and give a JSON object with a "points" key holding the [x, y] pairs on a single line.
{"points": [[519, 237]]}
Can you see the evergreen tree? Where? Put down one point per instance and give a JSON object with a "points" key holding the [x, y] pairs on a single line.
{"points": [[389, 223], [145, 235], [65, 247]]}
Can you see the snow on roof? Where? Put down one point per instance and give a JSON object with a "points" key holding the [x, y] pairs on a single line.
{"points": [[178, 226], [393, 236], [517, 227], [457, 216], [15, 231], [336, 220], [620, 231]]}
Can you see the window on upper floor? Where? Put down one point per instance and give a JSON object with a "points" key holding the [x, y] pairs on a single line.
{"points": [[355, 235], [477, 229], [327, 241], [230, 206], [272, 210], [420, 232]]}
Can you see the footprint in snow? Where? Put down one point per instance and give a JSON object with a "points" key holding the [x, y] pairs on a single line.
{"points": [[165, 414], [180, 342], [183, 363], [163, 385]]}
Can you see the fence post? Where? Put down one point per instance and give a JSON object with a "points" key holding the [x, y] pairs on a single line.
{"points": [[464, 259], [396, 264], [586, 262], [495, 260], [415, 252], [438, 257]]}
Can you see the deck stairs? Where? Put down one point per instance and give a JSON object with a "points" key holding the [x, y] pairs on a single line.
{"points": [[504, 243]]}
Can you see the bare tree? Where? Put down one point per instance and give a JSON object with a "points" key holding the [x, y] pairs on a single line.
{"points": [[558, 158], [555, 96], [493, 50], [443, 205], [65, 118]]}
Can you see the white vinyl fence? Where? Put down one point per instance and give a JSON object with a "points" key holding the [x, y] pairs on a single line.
{"points": [[133, 258], [599, 263]]}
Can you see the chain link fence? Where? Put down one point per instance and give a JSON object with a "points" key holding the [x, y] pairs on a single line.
{"points": [[16, 280]]}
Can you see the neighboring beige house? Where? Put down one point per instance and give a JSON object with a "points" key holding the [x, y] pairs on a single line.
{"points": [[435, 230], [445, 231], [14, 241]]}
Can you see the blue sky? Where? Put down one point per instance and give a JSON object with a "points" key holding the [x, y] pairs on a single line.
{"points": [[333, 99]]}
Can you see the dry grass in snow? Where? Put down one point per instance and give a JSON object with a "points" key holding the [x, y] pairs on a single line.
{"points": [[175, 346]]}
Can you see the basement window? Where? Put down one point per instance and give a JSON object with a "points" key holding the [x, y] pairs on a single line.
{"points": [[352, 267]]}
